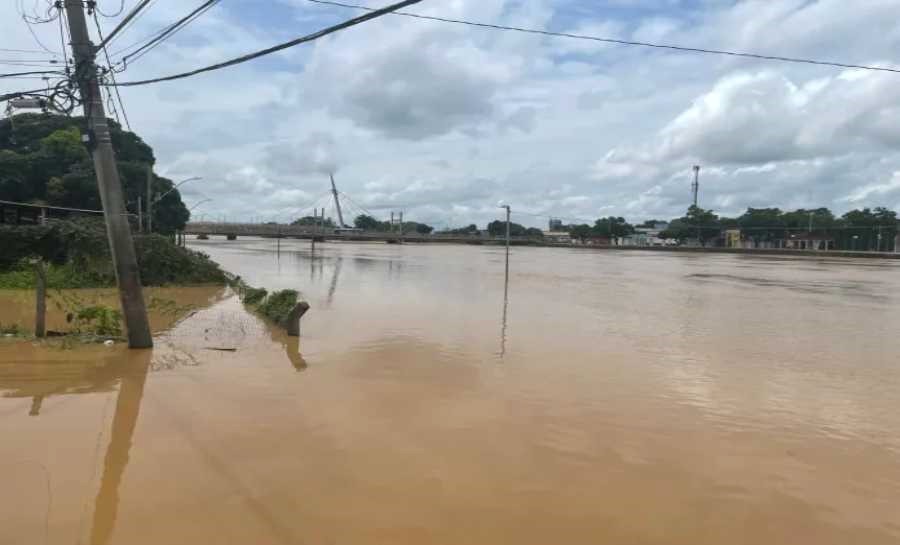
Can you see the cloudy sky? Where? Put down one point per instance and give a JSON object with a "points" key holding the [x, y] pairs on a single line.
{"points": [[445, 121]]}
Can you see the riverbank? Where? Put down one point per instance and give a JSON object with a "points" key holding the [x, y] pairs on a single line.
{"points": [[166, 306], [815, 254]]}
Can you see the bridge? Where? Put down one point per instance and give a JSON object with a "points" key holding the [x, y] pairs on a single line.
{"points": [[232, 231]]}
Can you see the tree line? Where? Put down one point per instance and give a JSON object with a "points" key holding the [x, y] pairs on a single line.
{"points": [[860, 229]]}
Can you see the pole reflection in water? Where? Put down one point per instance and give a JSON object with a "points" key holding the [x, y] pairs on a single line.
{"points": [[505, 306], [128, 404], [334, 279]]}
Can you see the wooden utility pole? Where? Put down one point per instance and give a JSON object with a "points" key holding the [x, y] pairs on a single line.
{"points": [[110, 187], [149, 199], [40, 296], [508, 212], [140, 215]]}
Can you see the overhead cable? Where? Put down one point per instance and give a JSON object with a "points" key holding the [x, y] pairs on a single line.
{"points": [[110, 15], [621, 42], [304, 39], [112, 76], [34, 73], [7, 50], [20, 94], [124, 22], [167, 32]]}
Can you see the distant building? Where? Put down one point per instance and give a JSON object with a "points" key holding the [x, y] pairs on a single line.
{"points": [[598, 240], [810, 241], [557, 237], [556, 224], [733, 238], [646, 236]]}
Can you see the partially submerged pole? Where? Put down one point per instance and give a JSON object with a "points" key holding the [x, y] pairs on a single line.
{"points": [[109, 184], [40, 294], [293, 324]]}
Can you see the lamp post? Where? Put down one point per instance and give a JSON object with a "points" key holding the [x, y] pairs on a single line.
{"points": [[191, 209], [158, 198]]}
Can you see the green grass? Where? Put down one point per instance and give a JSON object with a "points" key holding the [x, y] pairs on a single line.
{"points": [[278, 306], [67, 276]]}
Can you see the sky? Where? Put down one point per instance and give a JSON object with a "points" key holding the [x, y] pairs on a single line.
{"points": [[445, 122]]}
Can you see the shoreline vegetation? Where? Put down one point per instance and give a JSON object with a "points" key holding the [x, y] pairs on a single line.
{"points": [[284, 308], [73, 255]]}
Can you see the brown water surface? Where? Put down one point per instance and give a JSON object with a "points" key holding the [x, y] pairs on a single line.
{"points": [[608, 398]]}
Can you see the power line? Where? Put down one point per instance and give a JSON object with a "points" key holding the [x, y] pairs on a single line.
{"points": [[7, 50], [357, 204], [34, 35], [32, 205], [124, 22], [20, 94], [112, 76], [35, 73], [110, 15], [308, 38], [167, 32], [36, 18], [757, 56], [63, 24], [31, 61]]}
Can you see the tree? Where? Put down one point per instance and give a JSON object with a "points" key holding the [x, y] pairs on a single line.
{"points": [[819, 219], [698, 223], [612, 227], [861, 229], [581, 232], [415, 227], [368, 223], [762, 224], [470, 229], [43, 160], [497, 228], [312, 221]]}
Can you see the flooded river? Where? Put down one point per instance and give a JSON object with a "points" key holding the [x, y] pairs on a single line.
{"points": [[595, 397]]}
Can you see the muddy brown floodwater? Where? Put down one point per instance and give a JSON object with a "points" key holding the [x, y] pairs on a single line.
{"points": [[609, 398]]}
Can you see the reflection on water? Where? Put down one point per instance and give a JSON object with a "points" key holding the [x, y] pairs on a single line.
{"points": [[133, 375], [505, 306], [644, 398]]}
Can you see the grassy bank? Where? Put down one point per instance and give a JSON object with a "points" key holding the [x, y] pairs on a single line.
{"points": [[161, 263]]}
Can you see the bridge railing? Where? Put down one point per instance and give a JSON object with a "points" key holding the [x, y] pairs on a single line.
{"points": [[275, 230]]}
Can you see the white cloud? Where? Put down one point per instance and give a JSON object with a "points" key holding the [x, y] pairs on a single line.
{"points": [[445, 120]]}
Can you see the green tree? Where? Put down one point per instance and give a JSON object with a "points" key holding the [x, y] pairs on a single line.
{"points": [[702, 225], [368, 223], [43, 160], [820, 219], [313, 221], [860, 229], [415, 227], [612, 227], [497, 228], [581, 232], [762, 224], [470, 229]]}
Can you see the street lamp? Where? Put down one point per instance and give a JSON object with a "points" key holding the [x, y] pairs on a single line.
{"points": [[176, 186], [191, 209], [855, 238], [160, 197]]}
